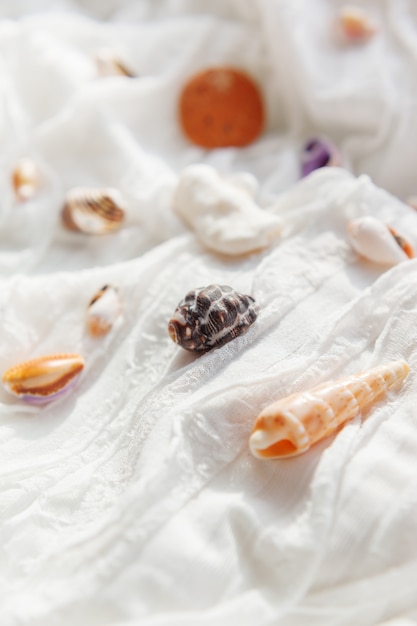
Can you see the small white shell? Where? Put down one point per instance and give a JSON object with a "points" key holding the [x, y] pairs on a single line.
{"points": [[44, 378], [25, 179], [103, 311], [290, 426], [93, 211], [221, 211], [374, 240], [109, 65], [354, 26]]}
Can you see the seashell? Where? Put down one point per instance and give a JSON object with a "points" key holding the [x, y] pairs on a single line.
{"points": [[45, 378], [354, 26], [109, 65], [378, 242], [93, 211], [25, 179], [319, 152], [290, 426], [209, 317], [103, 310], [412, 202], [222, 212]]}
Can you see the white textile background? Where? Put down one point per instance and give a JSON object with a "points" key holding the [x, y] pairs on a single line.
{"points": [[134, 501]]}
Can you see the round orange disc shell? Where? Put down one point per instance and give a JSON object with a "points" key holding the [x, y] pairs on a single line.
{"points": [[221, 107]]}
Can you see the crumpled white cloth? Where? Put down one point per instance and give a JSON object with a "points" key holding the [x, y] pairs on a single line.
{"points": [[135, 500]]}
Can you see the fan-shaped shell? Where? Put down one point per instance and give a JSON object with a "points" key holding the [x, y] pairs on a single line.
{"points": [[290, 426], [93, 211], [378, 242], [45, 378], [103, 311], [209, 317]]}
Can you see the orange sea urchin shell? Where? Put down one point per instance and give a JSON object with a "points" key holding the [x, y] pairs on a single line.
{"points": [[221, 107]]}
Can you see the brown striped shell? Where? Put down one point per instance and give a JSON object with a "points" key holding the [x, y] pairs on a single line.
{"points": [[209, 317], [93, 211]]}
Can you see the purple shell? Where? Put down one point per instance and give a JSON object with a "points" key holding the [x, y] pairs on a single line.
{"points": [[318, 153]]}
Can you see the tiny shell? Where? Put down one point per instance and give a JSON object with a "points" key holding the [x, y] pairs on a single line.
{"points": [[354, 26], [44, 378], [222, 212], [412, 202], [209, 317], [378, 242], [109, 65], [319, 152], [25, 179], [103, 311], [290, 426], [93, 211]]}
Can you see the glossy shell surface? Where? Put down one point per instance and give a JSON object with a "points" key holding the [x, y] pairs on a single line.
{"points": [[44, 378], [290, 426], [25, 179], [103, 311], [222, 212], [93, 211], [209, 317], [378, 242]]}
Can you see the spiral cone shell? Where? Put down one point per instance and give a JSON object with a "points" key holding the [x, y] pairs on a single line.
{"points": [[290, 426]]}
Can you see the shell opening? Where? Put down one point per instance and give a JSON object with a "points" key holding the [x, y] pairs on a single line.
{"points": [[172, 329], [281, 448]]}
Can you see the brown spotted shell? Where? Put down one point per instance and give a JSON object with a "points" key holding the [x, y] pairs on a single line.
{"points": [[209, 317], [93, 211]]}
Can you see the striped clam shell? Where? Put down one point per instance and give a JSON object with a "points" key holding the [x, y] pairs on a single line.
{"points": [[209, 317], [44, 378], [103, 310], [93, 211], [290, 426]]}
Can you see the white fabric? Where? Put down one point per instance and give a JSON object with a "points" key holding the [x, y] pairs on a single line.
{"points": [[135, 500]]}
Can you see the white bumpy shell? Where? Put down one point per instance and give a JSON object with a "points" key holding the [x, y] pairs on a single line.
{"points": [[222, 212], [378, 242], [290, 426]]}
